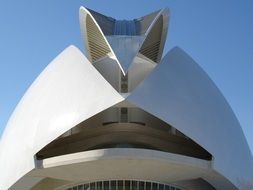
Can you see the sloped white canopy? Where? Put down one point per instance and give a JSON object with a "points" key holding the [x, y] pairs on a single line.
{"points": [[67, 92], [177, 92], [180, 93]]}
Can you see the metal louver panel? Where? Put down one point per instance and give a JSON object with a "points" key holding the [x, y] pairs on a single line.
{"points": [[152, 43], [97, 44]]}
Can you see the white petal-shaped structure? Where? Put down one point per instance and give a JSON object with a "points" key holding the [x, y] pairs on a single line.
{"points": [[67, 92], [180, 93], [121, 120]]}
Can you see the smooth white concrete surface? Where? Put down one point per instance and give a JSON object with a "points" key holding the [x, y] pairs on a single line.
{"points": [[139, 69], [110, 70], [26, 183], [68, 91], [72, 89], [122, 154], [125, 48], [127, 163], [179, 92]]}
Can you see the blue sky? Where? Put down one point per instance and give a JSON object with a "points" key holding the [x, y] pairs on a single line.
{"points": [[218, 34]]}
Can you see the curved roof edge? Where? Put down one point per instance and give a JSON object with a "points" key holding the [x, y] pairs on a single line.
{"points": [[188, 99], [68, 91], [149, 35], [164, 13], [83, 12]]}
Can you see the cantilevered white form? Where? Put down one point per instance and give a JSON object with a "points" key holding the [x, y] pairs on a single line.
{"points": [[123, 118]]}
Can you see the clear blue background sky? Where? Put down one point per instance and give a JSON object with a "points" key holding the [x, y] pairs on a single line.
{"points": [[218, 34]]}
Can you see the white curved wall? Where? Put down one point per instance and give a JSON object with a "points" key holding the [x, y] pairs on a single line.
{"points": [[67, 92], [179, 92], [126, 163], [122, 163]]}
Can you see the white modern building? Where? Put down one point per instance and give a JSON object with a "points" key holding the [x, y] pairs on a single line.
{"points": [[122, 117]]}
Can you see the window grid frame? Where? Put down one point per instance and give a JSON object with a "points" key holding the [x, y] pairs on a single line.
{"points": [[82, 186]]}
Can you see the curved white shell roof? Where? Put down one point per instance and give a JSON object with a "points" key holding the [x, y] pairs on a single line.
{"points": [[68, 91], [179, 92]]}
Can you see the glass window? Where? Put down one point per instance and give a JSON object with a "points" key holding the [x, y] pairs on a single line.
{"points": [[120, 185], [134, 185], [86, 186], [92, 186], [148, 185], [113, 185], [106, 185], [127, 185], [141, 185], [123, 185], [161, 187], [154, 186], [167, 187], [99, 185]]}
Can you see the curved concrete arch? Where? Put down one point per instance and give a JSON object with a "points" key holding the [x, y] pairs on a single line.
{"points": [[187, 99], [127, 163], [67, 92], [75, 105], [83, 12]]}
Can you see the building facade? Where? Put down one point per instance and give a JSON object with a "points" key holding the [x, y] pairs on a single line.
{"points": [[121, 117]]}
